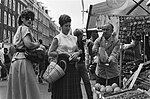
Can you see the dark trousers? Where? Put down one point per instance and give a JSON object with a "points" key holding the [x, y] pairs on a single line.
{"points": [[83, 73], [3, 72], [41, 69], [105, 82]]}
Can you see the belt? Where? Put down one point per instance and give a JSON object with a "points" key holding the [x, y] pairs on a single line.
{"points": [[20, 50]]}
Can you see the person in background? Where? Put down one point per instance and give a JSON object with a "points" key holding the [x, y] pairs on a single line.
{"points": [[132, 55], [22, 82], [107, 49], [11, 51], [65, 46], [134, 47], [2, 66], [7, 61], [41, 65], [91, 65], [83, 72]]}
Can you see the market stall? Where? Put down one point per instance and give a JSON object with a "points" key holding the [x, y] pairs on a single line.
{"points": [[137, 72]]}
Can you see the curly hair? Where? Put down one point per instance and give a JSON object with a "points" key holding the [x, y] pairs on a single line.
{"points": [[25, 13], [64, 19]]}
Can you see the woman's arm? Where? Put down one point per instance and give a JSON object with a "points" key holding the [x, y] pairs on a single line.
{"points": [[52, 49], [28, 43], [131, 45]]}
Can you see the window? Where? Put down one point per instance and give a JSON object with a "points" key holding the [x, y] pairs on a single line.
{"points": [[13, 21], [0, 16], [5, 35], [9, 37], [14, 5], [18, 7], [21, 8], [5, 2], [5, 18], [9, 22], [10, 3], [12, 36], [0, 1]]}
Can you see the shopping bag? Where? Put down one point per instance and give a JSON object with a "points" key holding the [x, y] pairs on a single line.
{"points": [[102, 55], [54, 72]]}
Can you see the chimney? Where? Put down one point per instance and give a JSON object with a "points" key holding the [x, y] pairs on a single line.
{"points": [[46, 11], [42, 8]]}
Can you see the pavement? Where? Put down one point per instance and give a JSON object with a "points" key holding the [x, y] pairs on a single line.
{"points": [[43, 89]]}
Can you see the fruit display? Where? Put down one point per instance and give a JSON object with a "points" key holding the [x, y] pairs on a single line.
{"points": [[129, 94], [143, 81], [107, 89], [114, 92], [133, 26]]}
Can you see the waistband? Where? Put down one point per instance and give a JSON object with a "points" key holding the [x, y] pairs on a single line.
{"points": [[20, 50]]}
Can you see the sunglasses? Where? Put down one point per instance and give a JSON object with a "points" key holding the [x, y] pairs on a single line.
{"points": [[27, 18]]}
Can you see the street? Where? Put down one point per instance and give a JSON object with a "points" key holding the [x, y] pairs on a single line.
{"points": [[43, 88]]}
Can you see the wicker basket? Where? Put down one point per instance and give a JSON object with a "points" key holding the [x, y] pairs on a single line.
{"points": [[53, 72]]}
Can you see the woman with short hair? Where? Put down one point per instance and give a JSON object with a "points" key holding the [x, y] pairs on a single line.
{"points": [[22, 82], [65, 45]]}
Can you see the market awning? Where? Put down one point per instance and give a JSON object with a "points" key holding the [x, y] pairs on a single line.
{"points": [[104, 9]]}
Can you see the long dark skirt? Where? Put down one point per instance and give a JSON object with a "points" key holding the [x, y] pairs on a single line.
{"points": [[68, 87]]}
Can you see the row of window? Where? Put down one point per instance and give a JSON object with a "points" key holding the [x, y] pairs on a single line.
{"points": [[10, 4], [8, 19], [7, 36], [41, 24]]}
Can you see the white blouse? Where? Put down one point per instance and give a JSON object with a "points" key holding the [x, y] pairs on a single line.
{"points": [[66, 43]]}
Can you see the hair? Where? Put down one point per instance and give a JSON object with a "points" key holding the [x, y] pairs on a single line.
{"points": [[41, 42], [25, 13], [5, 49], [78, 32], [63, 19]]}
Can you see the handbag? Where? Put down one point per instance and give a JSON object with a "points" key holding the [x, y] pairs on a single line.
{"points": [[35, 56], [54, 71]]}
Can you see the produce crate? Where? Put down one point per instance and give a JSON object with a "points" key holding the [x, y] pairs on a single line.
{"points": [[125, 94]]}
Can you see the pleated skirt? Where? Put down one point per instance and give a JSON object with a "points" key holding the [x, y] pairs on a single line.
{"points": [[68, 87], [22, 82]]}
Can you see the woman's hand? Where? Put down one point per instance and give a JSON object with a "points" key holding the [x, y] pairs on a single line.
{"points": [[37, 44], [74, 56], [53, 54]]}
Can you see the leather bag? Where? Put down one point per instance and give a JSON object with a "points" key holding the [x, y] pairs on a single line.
{"points": [[35, 56]]}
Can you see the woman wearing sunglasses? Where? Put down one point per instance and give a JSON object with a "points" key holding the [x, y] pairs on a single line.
{"points": [[22, 82]]}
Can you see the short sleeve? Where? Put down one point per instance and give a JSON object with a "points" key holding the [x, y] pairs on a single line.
{"points": [[25, 31]]}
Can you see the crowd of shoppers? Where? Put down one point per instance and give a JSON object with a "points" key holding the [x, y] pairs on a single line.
{"points": [[66, 46]]}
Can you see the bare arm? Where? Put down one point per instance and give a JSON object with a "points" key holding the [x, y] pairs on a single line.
{"points": [[52, 49], [131, 45], [28, 43]]}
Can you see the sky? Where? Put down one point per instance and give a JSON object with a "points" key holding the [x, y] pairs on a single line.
{"points": [[72, 8]]}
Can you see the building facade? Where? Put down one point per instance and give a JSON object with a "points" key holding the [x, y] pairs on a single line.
{"points": [[43, 27]]}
